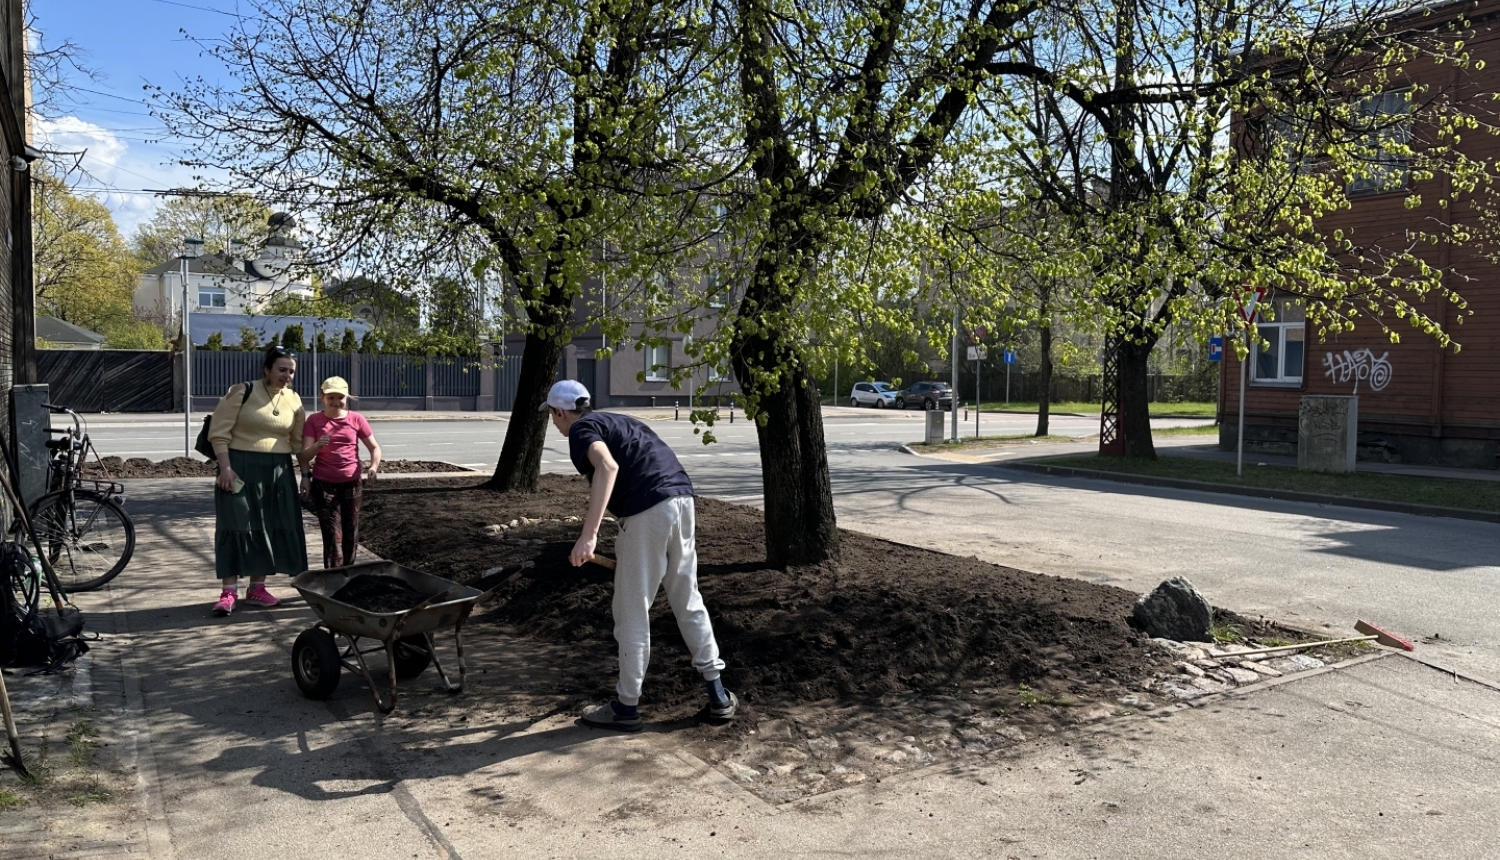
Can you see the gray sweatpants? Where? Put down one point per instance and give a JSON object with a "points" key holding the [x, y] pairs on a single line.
{"points": [[655, 548]]}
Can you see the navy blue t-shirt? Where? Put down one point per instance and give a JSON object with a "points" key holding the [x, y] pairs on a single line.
{"points": [[649, 472]]}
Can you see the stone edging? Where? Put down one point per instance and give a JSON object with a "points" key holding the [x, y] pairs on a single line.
{"points": [[1041, 468]]}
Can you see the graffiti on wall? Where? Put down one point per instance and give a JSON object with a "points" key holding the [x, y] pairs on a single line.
{"points": [[1361, 365]]}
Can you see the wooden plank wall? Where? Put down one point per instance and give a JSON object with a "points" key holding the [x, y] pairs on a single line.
{"points": [[110, 380]]}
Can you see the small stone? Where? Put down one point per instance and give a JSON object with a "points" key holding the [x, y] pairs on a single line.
{"points": [[610, 519], [512, 524], [493, 530], [572, 519], [742, 773], [1012, 733], [1208, 663], [1259, 669], [853, 778], [1190, 669], [1181, 693], [1296, 663], [1209, 685], [896, 757], [774, 730], [822, 747], [1242, 676], [1129, 701]]}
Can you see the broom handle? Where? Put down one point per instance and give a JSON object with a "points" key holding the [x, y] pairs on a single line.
{"points": [[10, 728]]}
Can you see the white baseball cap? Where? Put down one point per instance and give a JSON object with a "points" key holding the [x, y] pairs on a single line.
{"points": [[566, 394]]}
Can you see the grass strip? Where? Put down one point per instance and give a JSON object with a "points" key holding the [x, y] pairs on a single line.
{"points": [[1413, 489]]}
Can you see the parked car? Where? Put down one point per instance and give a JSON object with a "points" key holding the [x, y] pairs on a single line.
{"points": [[927, 395], [876, 394]]}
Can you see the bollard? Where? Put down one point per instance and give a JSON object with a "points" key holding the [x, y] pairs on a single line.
{"points": [[676, 409], [731, 413], [653, 402], [966, 414]]}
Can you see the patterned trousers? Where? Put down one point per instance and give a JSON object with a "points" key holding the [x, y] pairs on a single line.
{"points": [[336, 505]]}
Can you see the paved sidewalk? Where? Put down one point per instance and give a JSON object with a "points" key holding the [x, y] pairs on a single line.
{"points": [[1387, 758]]}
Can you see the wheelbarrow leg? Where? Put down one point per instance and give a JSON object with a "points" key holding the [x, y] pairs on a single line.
{"points": [[370, 678]]}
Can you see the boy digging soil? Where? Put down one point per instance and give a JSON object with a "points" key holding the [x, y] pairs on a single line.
{"points": [[634, 474]]}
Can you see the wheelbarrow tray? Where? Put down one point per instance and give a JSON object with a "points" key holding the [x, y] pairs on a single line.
{"points": [[317, 587]]}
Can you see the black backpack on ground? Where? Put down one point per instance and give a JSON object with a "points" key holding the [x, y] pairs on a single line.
{"points": [[202, 445], [30, 636]]}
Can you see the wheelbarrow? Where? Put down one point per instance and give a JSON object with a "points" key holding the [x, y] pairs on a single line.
{"points": [[341, 638]]}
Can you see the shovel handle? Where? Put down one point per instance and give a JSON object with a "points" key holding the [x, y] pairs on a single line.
{"points": [[603, 561]]}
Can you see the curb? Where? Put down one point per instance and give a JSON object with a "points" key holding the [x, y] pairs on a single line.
{"points": [[1256, 492]]}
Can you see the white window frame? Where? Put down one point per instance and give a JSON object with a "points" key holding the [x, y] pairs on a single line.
{"points": [[718, 373], [212, 293], [658, 362], [1277, 333]]}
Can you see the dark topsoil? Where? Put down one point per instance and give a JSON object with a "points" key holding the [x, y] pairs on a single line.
{"points": [[192, 467], [891, 624]]}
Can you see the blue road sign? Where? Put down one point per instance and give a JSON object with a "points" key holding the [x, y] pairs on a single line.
{"points": [[1216, 348], [1010, 356]]}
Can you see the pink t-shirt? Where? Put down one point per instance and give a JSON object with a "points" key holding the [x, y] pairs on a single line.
{"points": [[339, 459]]}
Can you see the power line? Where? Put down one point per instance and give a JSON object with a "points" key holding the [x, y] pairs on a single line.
{"points": [[201, 9]]}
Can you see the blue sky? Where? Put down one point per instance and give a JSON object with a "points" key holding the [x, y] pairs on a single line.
{"points": [[130, 43]]}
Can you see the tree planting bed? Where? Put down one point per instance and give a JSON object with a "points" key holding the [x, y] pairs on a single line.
{"points": [[896, 656]]}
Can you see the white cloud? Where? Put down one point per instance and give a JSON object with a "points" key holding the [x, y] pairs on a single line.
{"points": [[111, 163]]}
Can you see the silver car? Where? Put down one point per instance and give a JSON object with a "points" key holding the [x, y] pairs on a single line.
{"points": [[877, 394]]}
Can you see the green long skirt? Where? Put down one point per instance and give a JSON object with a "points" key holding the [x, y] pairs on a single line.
{"points": [[258, 531]]}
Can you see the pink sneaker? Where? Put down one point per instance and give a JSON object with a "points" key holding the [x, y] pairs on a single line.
{"points": [[258, 595], [225, 604]]}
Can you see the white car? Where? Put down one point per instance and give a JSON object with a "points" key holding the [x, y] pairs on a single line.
{"points": [[876, 394]]}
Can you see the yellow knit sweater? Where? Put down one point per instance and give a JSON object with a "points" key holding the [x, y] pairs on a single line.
{"points": [[254, 424]]}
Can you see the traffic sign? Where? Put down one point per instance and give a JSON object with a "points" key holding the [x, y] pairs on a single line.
{"points": [[977, 353], [1010, 356], [1216, 348], [1248, 302]]}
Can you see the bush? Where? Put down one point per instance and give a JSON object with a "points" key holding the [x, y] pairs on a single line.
{"points": [[215, 342]]}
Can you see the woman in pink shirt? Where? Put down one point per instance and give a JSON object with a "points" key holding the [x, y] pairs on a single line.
{"points": [[330, 442]]}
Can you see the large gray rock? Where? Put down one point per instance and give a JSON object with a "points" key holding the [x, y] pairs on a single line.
{"points": [[1175, 610]]}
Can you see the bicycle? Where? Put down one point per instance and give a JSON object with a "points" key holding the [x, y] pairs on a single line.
{"points": [[86, 533]]}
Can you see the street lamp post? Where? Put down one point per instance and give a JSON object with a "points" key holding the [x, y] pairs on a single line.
{"points": [[190, 248]]}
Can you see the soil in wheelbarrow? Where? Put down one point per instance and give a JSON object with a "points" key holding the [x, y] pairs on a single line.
{"points": [[375, 593]]}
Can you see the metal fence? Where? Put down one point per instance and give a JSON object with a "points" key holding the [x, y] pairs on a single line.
{"points": [[456, 377], [392, 376], [214, 372]]}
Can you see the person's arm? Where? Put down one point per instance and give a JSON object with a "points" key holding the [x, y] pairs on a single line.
{"points": [[602, 487], [374, 447], [221, 431]]}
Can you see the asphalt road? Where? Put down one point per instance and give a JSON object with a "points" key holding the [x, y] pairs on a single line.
{"points": [[1321, 567]]}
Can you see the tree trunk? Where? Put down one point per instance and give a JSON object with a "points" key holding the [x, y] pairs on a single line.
{"points": [[1044, 395], [1135, 409], [801, 527], [520, 462]]}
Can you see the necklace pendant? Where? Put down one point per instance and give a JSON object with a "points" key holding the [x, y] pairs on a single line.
{"points": [[276, 412]]}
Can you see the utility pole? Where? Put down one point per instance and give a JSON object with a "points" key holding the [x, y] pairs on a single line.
{"points": [[953, 401], [191, 247]]}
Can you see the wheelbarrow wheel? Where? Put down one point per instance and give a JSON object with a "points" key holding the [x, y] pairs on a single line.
{"points": [[315, 663], [411, 655]]}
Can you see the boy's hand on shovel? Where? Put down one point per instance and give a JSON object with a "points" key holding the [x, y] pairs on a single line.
{"points": [[583, 551]]}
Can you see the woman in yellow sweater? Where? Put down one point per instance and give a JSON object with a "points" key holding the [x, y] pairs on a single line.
{"points": [[258, 530]]}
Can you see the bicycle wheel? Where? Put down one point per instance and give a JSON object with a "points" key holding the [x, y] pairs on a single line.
{"points": [[87, 544]]}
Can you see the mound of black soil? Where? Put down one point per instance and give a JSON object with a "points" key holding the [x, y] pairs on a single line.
{"points": [[888, 621]]}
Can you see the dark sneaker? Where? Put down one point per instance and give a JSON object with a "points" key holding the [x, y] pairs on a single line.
{"points": [[606, 717], [722, 712]]}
